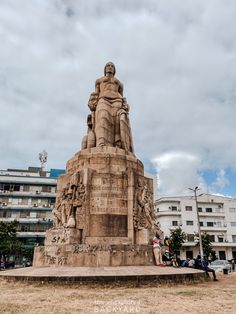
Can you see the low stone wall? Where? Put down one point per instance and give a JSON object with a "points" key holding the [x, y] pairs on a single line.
{"points": [[93, 255]]}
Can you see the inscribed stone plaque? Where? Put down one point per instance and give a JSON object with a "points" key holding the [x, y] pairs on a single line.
{"points": [[108, 225], [109, 194]]}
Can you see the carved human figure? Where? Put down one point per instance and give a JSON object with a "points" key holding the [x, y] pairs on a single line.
{"points": [[110, 112], [77, 201], [59, 212], [144, 217], [148, 208]]}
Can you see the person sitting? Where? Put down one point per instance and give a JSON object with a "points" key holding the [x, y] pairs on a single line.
{"points": [[166, 257], [191, 262], [198, 262], [186, 263], [205, 266]]}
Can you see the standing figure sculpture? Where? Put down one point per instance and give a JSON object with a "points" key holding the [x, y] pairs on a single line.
{"points": [[110, 112]]}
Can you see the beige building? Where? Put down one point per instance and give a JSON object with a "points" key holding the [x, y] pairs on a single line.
{"points": [[217, 215]]}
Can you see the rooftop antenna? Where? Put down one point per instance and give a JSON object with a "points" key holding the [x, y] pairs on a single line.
{"points": [[43, 157]]}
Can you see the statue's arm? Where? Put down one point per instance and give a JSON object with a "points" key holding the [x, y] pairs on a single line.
{"points": [[121, 88], [97, 86]]}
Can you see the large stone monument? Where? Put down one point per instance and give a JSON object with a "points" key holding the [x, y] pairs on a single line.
{"points": [[104, 213]]}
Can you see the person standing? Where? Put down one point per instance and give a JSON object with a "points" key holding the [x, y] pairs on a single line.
{"points": [[157, 250]]}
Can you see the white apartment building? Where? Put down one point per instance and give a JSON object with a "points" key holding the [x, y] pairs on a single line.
{"points": [[217, 215], [28, 196]]}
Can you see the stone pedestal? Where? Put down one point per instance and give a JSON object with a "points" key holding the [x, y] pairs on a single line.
{"points": [[111, 208], [142, 236], [93, 255]]}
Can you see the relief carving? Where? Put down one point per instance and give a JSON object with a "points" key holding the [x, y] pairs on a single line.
{"points": [[71, 199], [143, 213]]}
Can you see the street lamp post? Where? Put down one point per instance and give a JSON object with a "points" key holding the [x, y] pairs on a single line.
{"points": [[198, 220]]}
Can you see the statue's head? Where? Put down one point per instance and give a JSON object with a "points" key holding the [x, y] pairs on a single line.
{"points": [[110, 68]]}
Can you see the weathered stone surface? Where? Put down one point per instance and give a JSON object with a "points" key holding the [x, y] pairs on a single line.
{"points": [[104, 199], [93, 255], [108, 123]]}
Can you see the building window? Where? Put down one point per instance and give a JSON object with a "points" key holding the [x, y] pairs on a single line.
{"points": [[210, 224], [189, 254], [233, 224], [212, 237], [24, 214], [208, 210], [189, 222], [26, 188], [46, 188], [174, 208], [234, 238], [190, 237], [200, 209], [41, 214], [222, 255], [174, 223], [201, 224], [220, 239], [51, 201], [9, 187], [23, 228], [188, 208]]}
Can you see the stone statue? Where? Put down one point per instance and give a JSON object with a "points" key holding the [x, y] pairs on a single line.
{"points": [[109, 120]]}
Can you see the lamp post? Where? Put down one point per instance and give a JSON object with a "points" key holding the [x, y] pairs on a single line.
{"points": [[198, 220]]}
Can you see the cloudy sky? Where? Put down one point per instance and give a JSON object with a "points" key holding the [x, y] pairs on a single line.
{"points": [[176, 59]]}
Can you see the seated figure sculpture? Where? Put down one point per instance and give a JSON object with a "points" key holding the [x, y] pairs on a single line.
{"points": [[109, 118]]}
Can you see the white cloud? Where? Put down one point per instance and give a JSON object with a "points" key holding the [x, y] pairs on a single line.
{"points": [[221, 180], [176, 59], [177, 171]]}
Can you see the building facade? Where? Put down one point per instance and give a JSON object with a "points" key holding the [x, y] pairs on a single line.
{"points": [[28, 196], [217, 216]]}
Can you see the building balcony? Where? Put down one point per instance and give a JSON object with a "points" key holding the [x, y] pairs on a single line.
{"points": [[214, 244], [27, 207], [168, 213], [28, 194], [28, 220], [204, 214], [214, 228], [29, 234], [223, 244]]}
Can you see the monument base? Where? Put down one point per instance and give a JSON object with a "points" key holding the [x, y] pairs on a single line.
{"points": [[93, 255]]}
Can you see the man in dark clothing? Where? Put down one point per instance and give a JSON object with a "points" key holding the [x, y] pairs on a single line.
{"points": [[205, 266], [198, 262]]}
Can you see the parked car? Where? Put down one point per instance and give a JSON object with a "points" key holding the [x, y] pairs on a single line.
{"points": [[220, 265], [27, 264]]}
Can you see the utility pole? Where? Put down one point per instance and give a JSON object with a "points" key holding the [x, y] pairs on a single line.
{"points": [[198, 220]]}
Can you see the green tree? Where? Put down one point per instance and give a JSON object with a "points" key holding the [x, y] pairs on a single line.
{"points": [[9, 245], [177, 238], [206, 243]]}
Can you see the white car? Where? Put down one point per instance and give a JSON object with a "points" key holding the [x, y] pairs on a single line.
{"points": [[220, 265]]}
